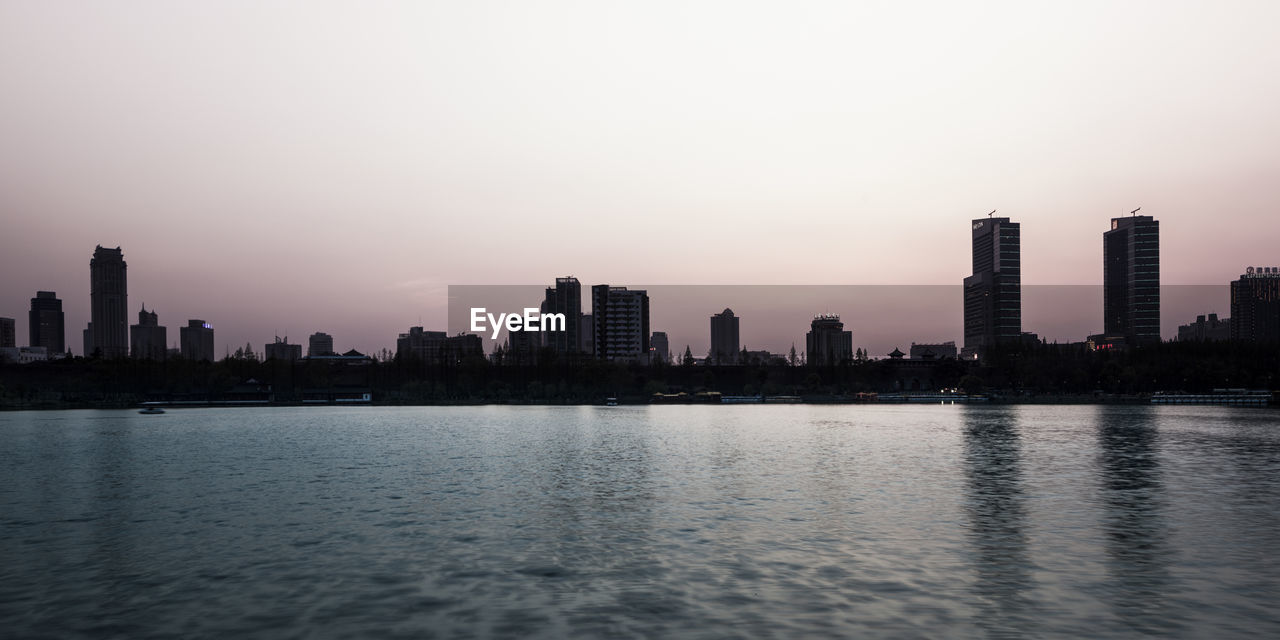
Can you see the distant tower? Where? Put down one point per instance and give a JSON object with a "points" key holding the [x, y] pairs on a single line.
{"points": [[827, 341], [658, 348], [320, 344], [1131, 279], [993, 294], [724, 338], [565, 298], [197, 340], [147, 339], [46, 328], [108, 303], [8, 337]]}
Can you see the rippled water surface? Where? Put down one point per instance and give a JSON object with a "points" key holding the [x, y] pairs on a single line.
{"points": [[665, 521]]}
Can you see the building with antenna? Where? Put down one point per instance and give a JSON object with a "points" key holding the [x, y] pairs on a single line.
{"points": [[993, 294], [1131, 279]]}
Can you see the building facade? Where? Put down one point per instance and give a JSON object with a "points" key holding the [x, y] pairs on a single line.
{"points": [[993, 294], [147, 339], [1131, 279], [109, 303], [319, 344], [46, 328], [827, 342], [1255, 306], [725, 344], [621, 319], [197, 340], [8, 333], [933, 351]]}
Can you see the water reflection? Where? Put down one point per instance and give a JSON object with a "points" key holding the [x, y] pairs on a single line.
{"points": [[1137, 545], [995, 504]]}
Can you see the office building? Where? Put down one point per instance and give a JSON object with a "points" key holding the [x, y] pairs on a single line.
{"points": [[1131, 279], [147, 339], [1204, 329], [827, 342], [109, 303], [197, 340], [426, 346], [621, 323], [565, 298], [45, 328], [724, 338], [659, 349], [282, 351], [993, 294], [86, 337], [8, 333], [1255, 306], [320, 344]]}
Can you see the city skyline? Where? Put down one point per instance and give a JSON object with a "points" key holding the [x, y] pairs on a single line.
{"points": [[244, 185]]}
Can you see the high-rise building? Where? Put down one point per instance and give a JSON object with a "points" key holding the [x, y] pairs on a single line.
{"points": [[565, 298], [1255, 305], [147, 339], [659, 349], [621, 323], [320, 344], [827, 342], [281, 350], [724, 338], [8, 333], [425, 346], [993, 294], [1211, 329], [197, 340], [1131, 279], [108, 303], [45, 319]]}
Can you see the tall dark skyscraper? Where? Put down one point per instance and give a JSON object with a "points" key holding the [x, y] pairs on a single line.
{"points": [[1131, 279], [1255, 306], [108, 303], [725, 344], [621, 323], [993, 294], [46, 328], [566, 298]]}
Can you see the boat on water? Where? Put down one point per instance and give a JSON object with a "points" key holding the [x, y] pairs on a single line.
{"points": [[148, 411], [611, 402]]}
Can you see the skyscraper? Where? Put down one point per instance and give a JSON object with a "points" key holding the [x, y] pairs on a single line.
{"points": [[108, 302], [621, 323], [7, 333], [565, 298], [1255, 305], [724, 338], [320, 344], [1131, 279], [147, 339], [993, 294], [827, 342], [197, 340], [45, 320]]}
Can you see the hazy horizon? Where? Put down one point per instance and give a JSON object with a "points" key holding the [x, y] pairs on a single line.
{"points": [[280, 168]]}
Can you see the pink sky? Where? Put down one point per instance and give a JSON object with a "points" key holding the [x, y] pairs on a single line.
{"points": [[300, 167]]}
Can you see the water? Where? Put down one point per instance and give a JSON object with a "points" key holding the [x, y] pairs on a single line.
{"points": [[664, 521]]}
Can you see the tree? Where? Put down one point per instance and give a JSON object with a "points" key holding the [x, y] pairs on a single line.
{"points": [[791, 359], [688, 356]]}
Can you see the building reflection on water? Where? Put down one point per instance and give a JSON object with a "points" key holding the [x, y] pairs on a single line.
{"points": [[995, 504], [1138, 551]]}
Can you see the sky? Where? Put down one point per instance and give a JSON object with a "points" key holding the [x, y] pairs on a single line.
{"points": [[286, 168]]}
